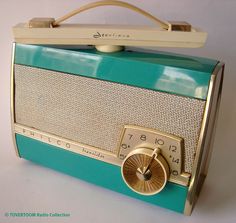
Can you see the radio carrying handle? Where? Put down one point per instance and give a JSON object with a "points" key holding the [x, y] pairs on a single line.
{"points": [[161, 34], [161, 23]]}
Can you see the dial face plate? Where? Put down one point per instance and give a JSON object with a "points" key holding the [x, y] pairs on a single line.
{"points": [[171, 146]]}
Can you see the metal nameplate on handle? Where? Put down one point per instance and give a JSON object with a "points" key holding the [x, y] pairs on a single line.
{"points": [[166, 34]]}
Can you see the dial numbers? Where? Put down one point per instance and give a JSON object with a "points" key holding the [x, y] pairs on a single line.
{"points": [[171, 148]]}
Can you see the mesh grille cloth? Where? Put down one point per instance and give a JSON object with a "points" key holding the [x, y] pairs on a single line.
{"points": [[94, 112]]}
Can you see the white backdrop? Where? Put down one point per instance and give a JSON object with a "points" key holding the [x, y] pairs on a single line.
{"points": [[26, 187]]}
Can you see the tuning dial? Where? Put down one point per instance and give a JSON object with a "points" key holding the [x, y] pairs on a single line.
{"points": [[145, 171]]}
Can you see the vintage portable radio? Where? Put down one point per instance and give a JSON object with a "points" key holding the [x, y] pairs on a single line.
{"points": [[137, 123]]}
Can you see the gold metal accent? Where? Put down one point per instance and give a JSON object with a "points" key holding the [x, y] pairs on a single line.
{"points": [[67, 144], [12, 108], [180, 26], [145, 171], [83, 149], [172, 148], [204, 149], [41, 23], [109, 48]]}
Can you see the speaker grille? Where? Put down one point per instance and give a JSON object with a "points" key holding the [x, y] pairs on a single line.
{"points": [[94, 112]]}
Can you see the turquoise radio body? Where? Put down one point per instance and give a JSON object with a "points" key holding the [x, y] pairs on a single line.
{"points": [[78, 110]]}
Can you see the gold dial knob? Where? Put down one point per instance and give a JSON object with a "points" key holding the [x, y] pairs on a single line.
{"points": [[145, 171]]}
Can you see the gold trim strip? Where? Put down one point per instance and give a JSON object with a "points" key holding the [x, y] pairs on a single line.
{"points": [[12, 106], [213, 120], [69, 145], [81, 149], [203, 151]]}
